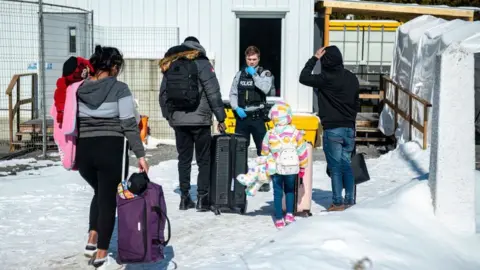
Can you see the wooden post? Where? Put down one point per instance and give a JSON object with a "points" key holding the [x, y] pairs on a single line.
{"points": [[18, 102], [32, 106], [10, 120], [425, 126], [382, 94], [326, 27], [410, 118], [396, 107]]}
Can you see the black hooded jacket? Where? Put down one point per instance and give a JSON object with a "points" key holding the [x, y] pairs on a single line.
{"points": [[338, 89]]}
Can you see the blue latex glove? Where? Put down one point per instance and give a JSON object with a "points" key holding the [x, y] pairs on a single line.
{"points": [[251, 70], [241, 112]]}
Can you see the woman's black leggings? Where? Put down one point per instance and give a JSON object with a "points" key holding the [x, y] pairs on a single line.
{"points": [[99, 161]]}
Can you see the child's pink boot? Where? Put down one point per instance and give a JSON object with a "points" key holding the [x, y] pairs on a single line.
{"points": [[280, 224], [289, 218]]}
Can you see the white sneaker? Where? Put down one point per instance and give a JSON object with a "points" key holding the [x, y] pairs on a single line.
{"points": [[90, 250], [107, 263]]}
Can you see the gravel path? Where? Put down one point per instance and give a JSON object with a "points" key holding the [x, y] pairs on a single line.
{"points": [[168, 152], [154, 157]]}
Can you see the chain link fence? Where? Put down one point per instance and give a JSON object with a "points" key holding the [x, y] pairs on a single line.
{"points": [[37, 38], [142, 48]]}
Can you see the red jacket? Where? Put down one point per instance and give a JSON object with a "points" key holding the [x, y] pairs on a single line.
{"points": [[83, 68]]}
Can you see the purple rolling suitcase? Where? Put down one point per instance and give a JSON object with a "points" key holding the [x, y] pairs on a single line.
{"points": [[141, 225]]}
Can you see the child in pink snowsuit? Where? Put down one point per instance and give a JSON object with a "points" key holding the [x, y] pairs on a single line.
{"points": [[278, 141]]}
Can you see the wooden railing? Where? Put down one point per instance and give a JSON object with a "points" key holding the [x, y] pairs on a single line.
{"points": [[407, 115], [14, 110]]}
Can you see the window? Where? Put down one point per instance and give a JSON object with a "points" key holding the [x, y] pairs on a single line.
{"points": [[72, 34]]}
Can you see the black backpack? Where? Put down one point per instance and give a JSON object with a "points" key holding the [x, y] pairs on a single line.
{"points": [[182, 86]]}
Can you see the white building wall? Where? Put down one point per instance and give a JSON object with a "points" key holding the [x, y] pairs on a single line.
{"points": [[214, 23]]}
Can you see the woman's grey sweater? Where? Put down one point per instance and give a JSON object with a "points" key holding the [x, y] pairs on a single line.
{"points": [[106, 108]]}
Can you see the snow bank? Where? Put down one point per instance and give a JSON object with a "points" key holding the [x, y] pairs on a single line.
{"points": [[452, 166], [477, 203], [394, 231], [45, 219], [417, 45], [154, 143]]}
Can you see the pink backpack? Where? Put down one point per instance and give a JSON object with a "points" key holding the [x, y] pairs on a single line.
{"points": [[66, 136]]}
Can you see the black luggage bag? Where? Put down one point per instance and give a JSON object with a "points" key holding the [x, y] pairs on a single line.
{"points": [[229, 159]]}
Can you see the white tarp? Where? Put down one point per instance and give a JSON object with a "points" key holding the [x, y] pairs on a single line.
{"points": [[417, 45]]}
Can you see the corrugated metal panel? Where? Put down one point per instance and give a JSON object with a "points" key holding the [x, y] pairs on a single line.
{"points": [[261, 3], [214, 23], [299, 46], [56, 27]]}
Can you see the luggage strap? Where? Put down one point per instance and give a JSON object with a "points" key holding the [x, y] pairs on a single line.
{"points": [[159, 211]]}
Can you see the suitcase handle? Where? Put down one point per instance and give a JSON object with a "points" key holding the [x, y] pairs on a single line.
{"points": [[159, 211]]}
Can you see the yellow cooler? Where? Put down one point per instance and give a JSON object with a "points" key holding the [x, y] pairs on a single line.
{"points": [[310, 123], [230, 121]]}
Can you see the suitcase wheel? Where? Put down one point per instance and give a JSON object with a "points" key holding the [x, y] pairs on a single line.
{"points": [[304, 213], [215, 210], [243, 210]]}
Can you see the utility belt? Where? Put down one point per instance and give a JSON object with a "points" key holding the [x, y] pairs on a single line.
{"points": [[254, 115]]}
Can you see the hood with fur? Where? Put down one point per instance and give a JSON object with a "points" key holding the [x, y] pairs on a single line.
{"points": [[189, 49], [281, 114]]}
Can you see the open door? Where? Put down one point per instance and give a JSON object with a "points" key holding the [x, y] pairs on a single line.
{"points": [[266, 35], [65, 35]]}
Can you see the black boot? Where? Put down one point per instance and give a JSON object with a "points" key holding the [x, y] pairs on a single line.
{"points": [[203, 203], [186, 202], [265, 188]]}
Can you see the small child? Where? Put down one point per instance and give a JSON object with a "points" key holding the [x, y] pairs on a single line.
{"points": [[285, 142], [74, 70]]}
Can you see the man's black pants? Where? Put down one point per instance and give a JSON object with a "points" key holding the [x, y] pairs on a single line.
{"points": [[253, 126], [186, 138]]}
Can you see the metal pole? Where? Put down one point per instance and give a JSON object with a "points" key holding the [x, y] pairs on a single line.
{"points": [[93, 34], [41, 71]]}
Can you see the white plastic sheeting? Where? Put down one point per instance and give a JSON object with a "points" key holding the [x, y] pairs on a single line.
{"points": [[417, 45]]}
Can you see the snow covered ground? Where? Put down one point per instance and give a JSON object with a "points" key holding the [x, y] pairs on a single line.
{"points": [[45, 215]]}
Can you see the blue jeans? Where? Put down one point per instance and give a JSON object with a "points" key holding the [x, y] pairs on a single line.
{"points": [[281, 184], [338, 145]]}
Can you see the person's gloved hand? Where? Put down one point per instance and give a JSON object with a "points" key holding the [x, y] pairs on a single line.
{"points": [[241, 112], [251, 70], [301, 173]]}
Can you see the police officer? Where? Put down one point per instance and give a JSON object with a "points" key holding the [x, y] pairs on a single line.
{"points": [[248, 99]]}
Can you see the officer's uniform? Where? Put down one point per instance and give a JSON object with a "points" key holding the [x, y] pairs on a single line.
{"points": [[250, 93]]}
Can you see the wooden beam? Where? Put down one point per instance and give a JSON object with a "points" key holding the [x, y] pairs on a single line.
{"points": [[355, 7], [326, 27], [370, 96]]}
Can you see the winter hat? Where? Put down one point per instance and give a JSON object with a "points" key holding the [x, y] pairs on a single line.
{"points": [[137, 183], [132, 187], [281, 114], [69, 66], [191, 38]]}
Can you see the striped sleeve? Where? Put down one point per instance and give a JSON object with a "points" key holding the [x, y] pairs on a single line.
{"points": [[302, 149]]}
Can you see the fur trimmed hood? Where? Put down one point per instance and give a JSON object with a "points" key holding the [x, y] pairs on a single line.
{"points": [[189, 49]]}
